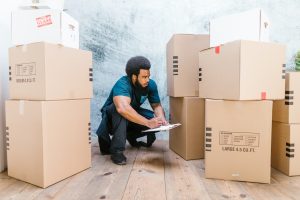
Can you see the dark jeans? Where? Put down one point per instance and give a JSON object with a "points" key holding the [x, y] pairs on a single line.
{"points": [[120, 128]]}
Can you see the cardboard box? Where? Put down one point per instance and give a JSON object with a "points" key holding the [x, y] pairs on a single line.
{"points": [[3, 163], [238, 140], [48, 141], [187, 140], [44, 25], [250, 25], [183, 64], [285, 141], [33, 4], [43, 71], [288, 110], [242, 70]]}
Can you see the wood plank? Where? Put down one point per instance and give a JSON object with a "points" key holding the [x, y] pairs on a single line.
{"points": [[154, 173], [110, 182], [147, 176], [181, 182]]}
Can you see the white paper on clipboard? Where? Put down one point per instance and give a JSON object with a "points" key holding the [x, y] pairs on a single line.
{"points": [[163, 128]]}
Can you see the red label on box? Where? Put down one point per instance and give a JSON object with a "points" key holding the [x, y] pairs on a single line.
{"points": [[217, 49], [263, 95], [43, 21]]}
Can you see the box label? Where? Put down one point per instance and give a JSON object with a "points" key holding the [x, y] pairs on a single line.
{"points": [[43, 21], [238, 141], [24, 71]]}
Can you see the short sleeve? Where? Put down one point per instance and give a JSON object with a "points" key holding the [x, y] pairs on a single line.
{"points": [[121, 88], [153, 96]]}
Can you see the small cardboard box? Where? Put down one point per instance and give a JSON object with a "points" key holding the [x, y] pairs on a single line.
{"points": [[183, 64], [249, 25], [43, 71], [285, 143], [48, 141], [187, 140], [44, 25], [288, 110], [238, 140], [242, 70]]}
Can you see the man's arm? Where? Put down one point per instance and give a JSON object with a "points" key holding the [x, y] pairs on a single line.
{"points": [[159, 112], [124, 108]]}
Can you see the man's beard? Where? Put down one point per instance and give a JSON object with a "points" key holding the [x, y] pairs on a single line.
{"points": [[142, 90]]}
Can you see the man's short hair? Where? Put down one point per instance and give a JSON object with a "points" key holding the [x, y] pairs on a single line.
{"points": [[136, 63]]}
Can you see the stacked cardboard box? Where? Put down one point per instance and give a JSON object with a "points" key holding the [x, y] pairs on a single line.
{"points": [[286, 128], [183, 89], [239, 79], [2, 132], [50, 86]]}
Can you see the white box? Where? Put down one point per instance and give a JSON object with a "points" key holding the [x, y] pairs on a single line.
{"points": [[250, 25], [44, 25], [54, 4]]}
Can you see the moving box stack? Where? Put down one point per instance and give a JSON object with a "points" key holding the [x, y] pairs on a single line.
{"points": [[241, 73], [2, 129], [286, 128], [50, 87], [185, 105]]}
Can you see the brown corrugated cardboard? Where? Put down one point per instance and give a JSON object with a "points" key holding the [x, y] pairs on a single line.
{"points": [[182, 64], [288, 110], [285, 141], [43, 71], [187, 140], [48, 141], [238, 140], [242, 70], [2, 134]]}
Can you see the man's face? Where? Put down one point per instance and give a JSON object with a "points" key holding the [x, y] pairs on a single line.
{"points": [[144, 77]]}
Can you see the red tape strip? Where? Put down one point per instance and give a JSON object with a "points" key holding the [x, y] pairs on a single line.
{"points": [[217, 49], [263, 95]]}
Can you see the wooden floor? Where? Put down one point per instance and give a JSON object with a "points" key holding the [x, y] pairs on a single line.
{"points": [[154, 173]]}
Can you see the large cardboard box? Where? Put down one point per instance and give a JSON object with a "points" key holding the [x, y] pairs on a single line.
{"points": [[243, 70], [43, 71], [183, 64], [3, 162], [48, 141], [44, 25], [249, 25], [285, 141], [288, 110], [187, 140], [238, 140], [33, 4]]}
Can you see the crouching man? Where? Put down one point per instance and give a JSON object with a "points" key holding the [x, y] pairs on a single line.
{"points": [[122, 115]]}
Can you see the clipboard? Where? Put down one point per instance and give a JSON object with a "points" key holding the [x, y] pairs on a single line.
{"points": [[163, 128]]}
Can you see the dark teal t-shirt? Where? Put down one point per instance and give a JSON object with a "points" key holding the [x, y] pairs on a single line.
{"points": [[124, 87]]}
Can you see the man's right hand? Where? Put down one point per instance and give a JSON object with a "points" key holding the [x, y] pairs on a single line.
{"points": [[155, 122]]}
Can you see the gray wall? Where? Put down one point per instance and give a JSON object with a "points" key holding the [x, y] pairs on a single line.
{"points": [[116, 30]]}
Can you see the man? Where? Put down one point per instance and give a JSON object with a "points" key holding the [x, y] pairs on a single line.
{"points": [[122, 116]]}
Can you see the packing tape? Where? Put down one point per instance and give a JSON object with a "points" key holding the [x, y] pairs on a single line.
{"points": [[217, 49], [263, 95], [21, 107], [24, 48]]}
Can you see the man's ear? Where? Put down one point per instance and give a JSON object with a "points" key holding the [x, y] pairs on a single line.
{"points": [[134, 77]]}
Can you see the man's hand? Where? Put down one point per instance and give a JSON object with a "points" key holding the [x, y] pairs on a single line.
{"points": [[159, 112], [164, 122], [155, 122]]}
